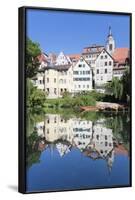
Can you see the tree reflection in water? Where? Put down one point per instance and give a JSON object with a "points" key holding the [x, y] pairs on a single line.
{"points": [[95, 135]]}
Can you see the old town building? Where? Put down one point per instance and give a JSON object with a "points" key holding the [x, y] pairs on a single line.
{"points": [[75, 73], [82, 76]]}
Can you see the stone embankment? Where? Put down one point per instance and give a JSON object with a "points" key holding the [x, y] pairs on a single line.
{"points": [[102, 106]]}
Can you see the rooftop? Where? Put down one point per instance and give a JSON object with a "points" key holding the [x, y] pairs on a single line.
{"points": [[59, 67], [121, 54]]}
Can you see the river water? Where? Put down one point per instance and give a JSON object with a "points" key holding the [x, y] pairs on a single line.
{"points": [[68, 152]]}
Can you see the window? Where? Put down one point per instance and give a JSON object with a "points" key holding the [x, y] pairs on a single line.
{"points": [[81, 79], [110, 63], [105, 71], [76, 72], [106, 144], [101, 80], [105, 63], [79, 86], [40, 81], [79, 65], [101, 57], [83, 72], [83, 86], [105, 56], [87, 86], [97, 71], [47, 80], [83, 65], [110, 144], [54, 80], [88, 72], [97, 136], [47, 89], [80, 72]]}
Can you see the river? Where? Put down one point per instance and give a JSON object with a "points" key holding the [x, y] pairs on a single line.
{"points": [[68, 152]]}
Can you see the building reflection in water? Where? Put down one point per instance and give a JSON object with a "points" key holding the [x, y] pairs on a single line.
{"points": [[93, 139]]}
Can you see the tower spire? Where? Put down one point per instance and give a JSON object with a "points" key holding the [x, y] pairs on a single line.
{"points": [[110, 45], [110, 31]]}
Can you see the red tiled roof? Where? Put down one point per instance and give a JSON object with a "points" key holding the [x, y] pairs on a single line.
{"points": [[74, 56], [42, 58], [121, 54]]}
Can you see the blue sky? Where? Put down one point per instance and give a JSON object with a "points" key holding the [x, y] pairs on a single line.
{"points": [[69, 32]]}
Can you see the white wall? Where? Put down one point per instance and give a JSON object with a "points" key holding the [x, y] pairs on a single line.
{"points": [[82, 85], [103, 77], [9, 99]]}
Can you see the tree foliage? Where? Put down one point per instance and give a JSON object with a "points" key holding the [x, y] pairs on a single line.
{"points": [[32, 63], [120, 88], [115, 87], [35, 97]]}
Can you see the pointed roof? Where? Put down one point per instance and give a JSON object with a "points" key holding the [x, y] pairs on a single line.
{"points": [[81, 57], [104, 49], [110, 31], [65, 57], [42, 57]]}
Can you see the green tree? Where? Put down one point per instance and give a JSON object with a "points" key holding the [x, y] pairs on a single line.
{"points": [[120, 88], [32, 63], [35, 97], [115, 87], [126, 85]]}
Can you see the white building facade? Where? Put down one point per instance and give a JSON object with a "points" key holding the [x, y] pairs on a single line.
{"points": [[75, 73], [103, 68], [82, 76]]}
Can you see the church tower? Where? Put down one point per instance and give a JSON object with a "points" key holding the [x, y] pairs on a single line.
{"points": [[110, 44]]}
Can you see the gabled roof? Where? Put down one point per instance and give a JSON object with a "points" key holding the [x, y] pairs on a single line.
{"points": [[42, 57], [106, 52], [65, 57], [84, 61], [121, 54]]}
